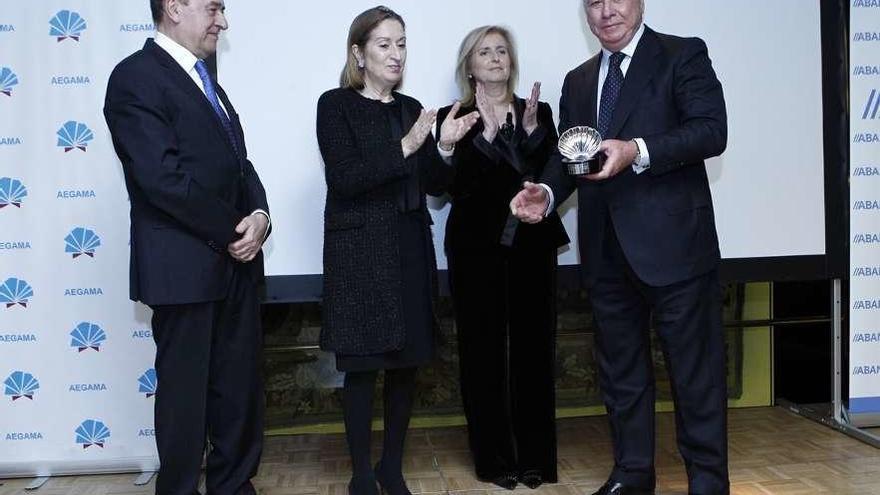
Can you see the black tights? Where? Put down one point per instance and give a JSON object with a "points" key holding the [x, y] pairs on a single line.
{"points": [[358, 411]]}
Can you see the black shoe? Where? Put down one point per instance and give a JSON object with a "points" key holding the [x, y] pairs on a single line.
{"points": [[531, 478], [392, 485], [506, 480], [617, 488]]}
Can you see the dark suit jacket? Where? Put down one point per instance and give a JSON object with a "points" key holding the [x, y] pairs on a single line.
{"points": [[488, 176], [365, 169], [187, 187], [663, 217]]}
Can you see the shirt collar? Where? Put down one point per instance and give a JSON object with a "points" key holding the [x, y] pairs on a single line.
{"points": [[630, 48], [181, 55]]}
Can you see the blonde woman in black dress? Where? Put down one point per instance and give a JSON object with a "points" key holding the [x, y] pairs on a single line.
{"points": [[503, 272]]}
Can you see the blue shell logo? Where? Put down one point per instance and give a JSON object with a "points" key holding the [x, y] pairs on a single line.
{"points": [[92, 432], [8, 80], [15, 291], [147, 383], [74, 135], [12, 192], [87, 336], [21, 384], [81, 241], [66, 24]]}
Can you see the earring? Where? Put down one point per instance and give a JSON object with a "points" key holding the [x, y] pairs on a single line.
{"points": [[360, 64], [470, 76]]}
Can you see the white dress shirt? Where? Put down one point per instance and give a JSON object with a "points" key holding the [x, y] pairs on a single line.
{"points": [[186, 60], [644, 161]]}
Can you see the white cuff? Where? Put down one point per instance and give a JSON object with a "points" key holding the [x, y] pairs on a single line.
{"points": [[550, 203], [644, 161], [266, 214], [445, 155]]}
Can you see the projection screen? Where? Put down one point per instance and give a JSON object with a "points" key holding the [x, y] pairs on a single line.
{"points": [[767, 187]]}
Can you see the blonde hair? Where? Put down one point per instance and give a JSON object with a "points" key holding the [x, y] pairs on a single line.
{"points": [[358, 34], [469, 44]]}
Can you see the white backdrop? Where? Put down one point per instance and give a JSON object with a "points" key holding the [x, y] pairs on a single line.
{"points": [[864, 314], [275, 61], [70, 403]]}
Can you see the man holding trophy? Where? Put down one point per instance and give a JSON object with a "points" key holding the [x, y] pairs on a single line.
{"points": [[636, 123]]}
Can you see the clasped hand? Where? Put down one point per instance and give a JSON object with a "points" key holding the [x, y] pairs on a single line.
{"points": [[253, 232]]}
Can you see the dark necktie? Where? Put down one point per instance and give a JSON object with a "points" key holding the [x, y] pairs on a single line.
{"points": [[211, 93], [610, 91]]}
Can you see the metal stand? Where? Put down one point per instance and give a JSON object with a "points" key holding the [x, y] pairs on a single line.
{"points": [[36, 483], [837, 345], [837, 416], [144, 478], [839, 413]]}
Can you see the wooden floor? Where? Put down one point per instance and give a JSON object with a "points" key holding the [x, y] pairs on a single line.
{"points": [[771, 452]]}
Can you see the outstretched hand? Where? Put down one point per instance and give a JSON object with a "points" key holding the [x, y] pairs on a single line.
{"points": [[530, 204]]}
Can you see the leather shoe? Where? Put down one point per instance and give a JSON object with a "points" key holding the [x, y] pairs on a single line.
{"points": [[531, 478], [617, 488], [506, 480]]}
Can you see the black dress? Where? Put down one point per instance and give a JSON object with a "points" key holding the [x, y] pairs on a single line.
{"points": [[416, 273]]}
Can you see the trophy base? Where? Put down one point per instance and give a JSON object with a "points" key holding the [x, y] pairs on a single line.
{"points": [[592, 166]]}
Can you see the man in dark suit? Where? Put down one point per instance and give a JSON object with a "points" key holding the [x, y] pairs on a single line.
{"points": [[198, 221], [648, 246]]}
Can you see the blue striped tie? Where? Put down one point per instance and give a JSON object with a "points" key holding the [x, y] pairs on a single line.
{"points": [[610, 91], [211, 93]]}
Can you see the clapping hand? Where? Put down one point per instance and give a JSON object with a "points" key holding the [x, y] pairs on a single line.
{"points": [[530, 115], [490, 123], [530, 204], [420, 130], [454, 128]]}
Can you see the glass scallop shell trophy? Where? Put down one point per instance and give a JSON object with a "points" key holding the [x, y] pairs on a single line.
{"points": [[579, 147]]}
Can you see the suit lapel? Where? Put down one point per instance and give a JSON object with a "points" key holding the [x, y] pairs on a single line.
{"points": [[644, 63], [591, 83], [184, 82]]}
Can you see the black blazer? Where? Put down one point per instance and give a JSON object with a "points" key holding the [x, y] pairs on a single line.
{"points": [[187, 187], [488, 176], [663, 217], [364, 169]]}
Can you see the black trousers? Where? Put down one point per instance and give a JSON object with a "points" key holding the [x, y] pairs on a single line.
{"points": [[209, 366], [505, 313], [687, 319]]}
